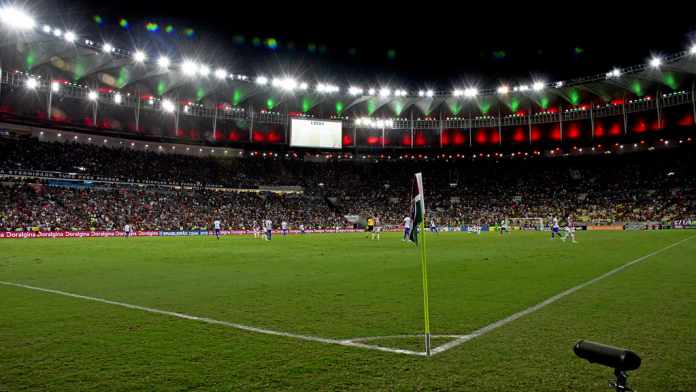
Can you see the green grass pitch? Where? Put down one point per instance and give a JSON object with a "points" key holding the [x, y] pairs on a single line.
{"points": [[344, 286]]}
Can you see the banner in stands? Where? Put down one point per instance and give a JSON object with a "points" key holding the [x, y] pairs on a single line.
{"points": [[183, 233], [606, 227]]}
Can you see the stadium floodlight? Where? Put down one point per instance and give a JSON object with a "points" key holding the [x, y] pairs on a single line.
{"points": [[261, 80], [168, 106], [655, 62], [470, 92], [457, 92], [107, 48], [353, 90], [503, 90], [92, 95], [204, 70], [430, 93], [522, 87], [304, 86], [614, 73], [16, 18], [220, 74], [559, 84], [371, 91], [287, 84], [47, 29], [538, 86], [692, 50], [384, 92], [139, 56], [327, 88], [69, 36], [118, 98], [421, 93], [55, 86], [57, 33], [189, 68], [32, 83], [163, 62]]}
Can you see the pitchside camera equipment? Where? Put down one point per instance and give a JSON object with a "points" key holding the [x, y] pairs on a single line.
{"points": [[619, 359]]}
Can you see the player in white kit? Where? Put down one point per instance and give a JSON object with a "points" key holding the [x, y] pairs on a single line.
{"points": [[555, 228], [407, 228], [268, 227], [127, 229], [569, 231], [377, 231], [284, 228], [217, 225], [256, 229]]}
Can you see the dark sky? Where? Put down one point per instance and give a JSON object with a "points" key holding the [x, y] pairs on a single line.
{"points": [[431, 43]]}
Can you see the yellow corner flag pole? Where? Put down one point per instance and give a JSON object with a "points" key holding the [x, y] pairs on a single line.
{"points": [[424, 271], [419, 209]]}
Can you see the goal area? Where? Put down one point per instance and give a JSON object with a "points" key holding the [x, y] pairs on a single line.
{"points": [[526, 223]]}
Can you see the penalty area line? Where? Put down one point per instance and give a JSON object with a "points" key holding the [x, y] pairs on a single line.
{"points": [[493, 326], [340, 342]]}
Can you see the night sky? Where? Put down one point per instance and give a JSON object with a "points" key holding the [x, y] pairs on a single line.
{"points": [[415, 45]]}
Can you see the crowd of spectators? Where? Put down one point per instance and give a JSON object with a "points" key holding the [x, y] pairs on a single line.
{"points": [[599, 189]]}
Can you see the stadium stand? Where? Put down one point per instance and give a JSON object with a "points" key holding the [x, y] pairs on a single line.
{"points": [[70, 186]]}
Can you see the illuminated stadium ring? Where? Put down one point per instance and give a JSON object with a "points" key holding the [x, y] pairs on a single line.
{"points": [[17, 19]]}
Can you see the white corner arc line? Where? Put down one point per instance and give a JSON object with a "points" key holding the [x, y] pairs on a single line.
{"points": [[348, 343], [493, 326]]}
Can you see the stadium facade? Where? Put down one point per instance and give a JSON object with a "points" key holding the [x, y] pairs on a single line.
{"points": [[56, 79]]}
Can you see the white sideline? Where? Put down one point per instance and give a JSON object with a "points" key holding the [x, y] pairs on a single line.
{"points": [[349, 342], [358, 342], [493, 326]]}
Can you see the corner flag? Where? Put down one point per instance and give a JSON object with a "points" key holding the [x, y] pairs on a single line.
{"points": [[418, 224], [418, 208]]}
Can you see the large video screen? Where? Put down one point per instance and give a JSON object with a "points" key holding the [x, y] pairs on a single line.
{"points": [[316, 133]]}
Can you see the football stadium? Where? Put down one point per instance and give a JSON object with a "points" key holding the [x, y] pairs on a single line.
{"points": [[185, 207]]}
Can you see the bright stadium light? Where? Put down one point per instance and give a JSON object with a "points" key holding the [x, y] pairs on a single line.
{"points": [[220, 74], [163, 62], [189, 68], [287, 84], [371, 91], [655, 62], [47, 29], [421, 93], [92, 95], [384, 92], [55, 86], [522, 87], [261, 80], [168, 106], [107, 48], [327, 88], [139, 56], [502, 90], [692, 50], [353, 90], [538, 86], [16, 18], [457, 92], [204, 70], [57, 33], [470, 92], [430, 93], [69, 36], [118, 98], [614, 73], [304, 86], [32, 83]]}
